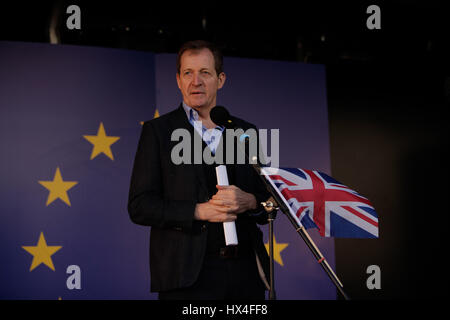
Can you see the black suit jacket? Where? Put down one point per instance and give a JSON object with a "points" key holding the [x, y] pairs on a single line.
{"points": [[164, 195]]}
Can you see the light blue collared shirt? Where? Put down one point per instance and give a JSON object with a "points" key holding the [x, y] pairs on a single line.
{"points": [[210, 136]]}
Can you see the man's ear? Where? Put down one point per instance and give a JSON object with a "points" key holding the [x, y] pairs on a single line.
{"points": [[178, 81], [222, 77]]}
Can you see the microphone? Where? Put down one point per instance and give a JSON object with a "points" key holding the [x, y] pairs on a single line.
{"points": [[220, 116]]}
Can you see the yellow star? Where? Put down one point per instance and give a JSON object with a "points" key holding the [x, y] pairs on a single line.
{"points": [[41, 253], [277, 248], [156, 115], [58, 188], [102, 143]]}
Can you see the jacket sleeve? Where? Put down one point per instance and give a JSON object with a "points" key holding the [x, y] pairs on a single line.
{"points": [[260, 192], [147, 203]]}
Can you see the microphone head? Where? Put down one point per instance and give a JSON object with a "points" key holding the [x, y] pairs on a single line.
{"points": [[220, 116]]}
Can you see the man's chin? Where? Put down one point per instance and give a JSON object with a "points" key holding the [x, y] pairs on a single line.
{"points": [[199, 105]]}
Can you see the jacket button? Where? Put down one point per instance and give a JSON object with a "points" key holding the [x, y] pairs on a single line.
{"points": [[204, 227]]}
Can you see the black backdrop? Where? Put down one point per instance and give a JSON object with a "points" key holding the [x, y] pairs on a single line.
{"points": [[393, 146]]}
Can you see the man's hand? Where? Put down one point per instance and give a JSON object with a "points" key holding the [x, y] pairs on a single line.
{"points": [[225, 205], [213, 213], [235, 199]]}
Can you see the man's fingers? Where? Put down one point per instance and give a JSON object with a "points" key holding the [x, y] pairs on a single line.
{"points": [[219, 187], [222, 209], [217, 201], [228, 195], [222, 214], [220, 202], [222, 187], [221, 194], [214, 212], [225, 206]]}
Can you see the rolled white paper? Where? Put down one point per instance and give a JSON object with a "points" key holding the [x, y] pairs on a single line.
{"points": [[229, 228]]}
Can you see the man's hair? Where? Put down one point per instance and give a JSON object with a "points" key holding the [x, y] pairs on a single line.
{"points": [[197, 45]]}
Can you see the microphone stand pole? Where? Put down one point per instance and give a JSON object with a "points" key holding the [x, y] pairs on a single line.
{"points": [[268, 206]]}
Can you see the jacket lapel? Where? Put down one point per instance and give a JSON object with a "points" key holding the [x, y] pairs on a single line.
{"points": [[180, 120]]}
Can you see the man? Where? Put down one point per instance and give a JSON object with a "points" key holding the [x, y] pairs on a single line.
{"points": [[183, 204]]}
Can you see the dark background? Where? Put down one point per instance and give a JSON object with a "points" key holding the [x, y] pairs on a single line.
{"points": [[388, 93]]}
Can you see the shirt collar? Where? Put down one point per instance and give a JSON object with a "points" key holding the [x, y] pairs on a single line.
{"points": [[192, 116], [191, 113]]}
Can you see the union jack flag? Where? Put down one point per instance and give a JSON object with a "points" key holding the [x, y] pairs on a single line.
{"points": [[316, 200]]}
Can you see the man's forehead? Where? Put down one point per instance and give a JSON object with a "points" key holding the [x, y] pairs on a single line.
{"points": [[198, 57]]}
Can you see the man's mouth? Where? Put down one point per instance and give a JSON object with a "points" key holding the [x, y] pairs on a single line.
{"points": [[197, 93]]}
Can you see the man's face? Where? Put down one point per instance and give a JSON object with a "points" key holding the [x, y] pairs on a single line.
{"points": [[198, 80]]}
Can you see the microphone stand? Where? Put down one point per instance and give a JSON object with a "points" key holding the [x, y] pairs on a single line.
{"points": [[277, 202], [270, 208]]}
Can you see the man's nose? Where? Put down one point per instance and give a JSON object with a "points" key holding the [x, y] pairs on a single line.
{"points": [[196, 81]]}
